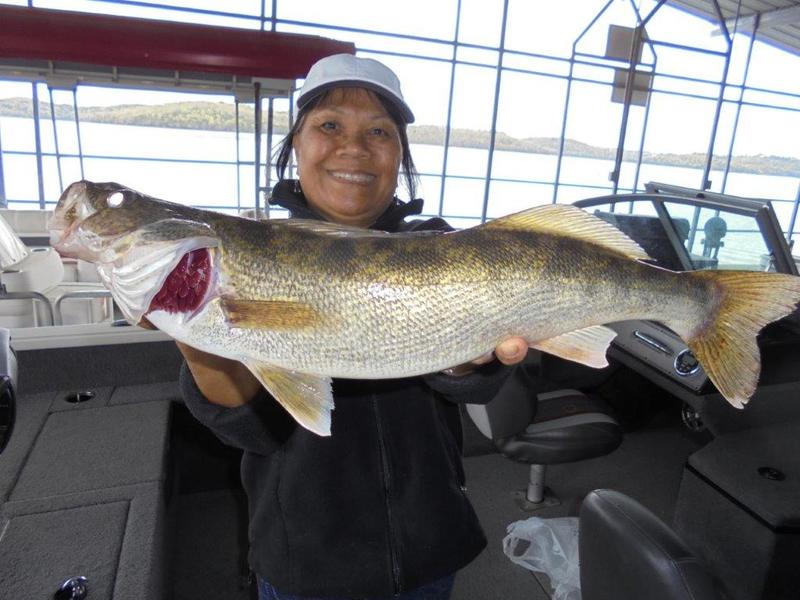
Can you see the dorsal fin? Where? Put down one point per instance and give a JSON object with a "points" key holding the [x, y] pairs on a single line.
{"points": [[336, 230], [570, 221]]}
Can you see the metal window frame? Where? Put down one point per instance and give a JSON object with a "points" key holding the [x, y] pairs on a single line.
{"points": [[273, 21], [760, 209]]}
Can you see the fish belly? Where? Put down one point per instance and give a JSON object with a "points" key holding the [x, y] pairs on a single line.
{"points": [[373, 331]]}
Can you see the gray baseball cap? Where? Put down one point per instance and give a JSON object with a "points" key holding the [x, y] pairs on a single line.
{"points": [[346, 70]]}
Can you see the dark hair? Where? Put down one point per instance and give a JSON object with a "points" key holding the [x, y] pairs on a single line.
{"points": [[410, 175]]}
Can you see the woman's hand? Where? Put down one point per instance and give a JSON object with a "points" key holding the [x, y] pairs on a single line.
{"points": [[509, 352], [223, 381]]}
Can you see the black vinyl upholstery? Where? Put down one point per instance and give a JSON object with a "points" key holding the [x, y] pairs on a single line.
{"points": [[568, 426], [545, 428], [541, 429], [626, 552]]}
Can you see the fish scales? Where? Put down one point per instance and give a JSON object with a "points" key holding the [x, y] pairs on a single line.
{"points": [[299, 302], [405, 305]]}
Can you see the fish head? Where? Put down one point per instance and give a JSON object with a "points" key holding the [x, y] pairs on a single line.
{"points": [[79, 201], [98, 222], [141, 246]]}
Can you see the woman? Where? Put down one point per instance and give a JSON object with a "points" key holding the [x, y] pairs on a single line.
{"points": [[378, 509]]}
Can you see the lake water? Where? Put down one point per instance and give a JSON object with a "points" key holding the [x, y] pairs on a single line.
{"points": [[149, 159]]}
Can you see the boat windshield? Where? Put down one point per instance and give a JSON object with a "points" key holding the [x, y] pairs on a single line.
{"points": [[720, 239], [701, 230]]}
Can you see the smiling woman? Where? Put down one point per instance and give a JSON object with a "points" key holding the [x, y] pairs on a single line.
{"points": [[350, 140], [350, 151], [415, 531]]}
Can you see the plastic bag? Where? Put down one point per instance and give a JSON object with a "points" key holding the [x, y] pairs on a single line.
{"points": [[549, 546]]}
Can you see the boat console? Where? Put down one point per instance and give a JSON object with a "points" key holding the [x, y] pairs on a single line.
{"points": [[737, 504], [683, 230]]}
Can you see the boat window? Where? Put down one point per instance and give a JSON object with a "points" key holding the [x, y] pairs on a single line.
{"points": [[719, 239], [639, 220]]}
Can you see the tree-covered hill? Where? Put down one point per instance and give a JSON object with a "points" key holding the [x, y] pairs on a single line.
{"points": [[221, 116]]}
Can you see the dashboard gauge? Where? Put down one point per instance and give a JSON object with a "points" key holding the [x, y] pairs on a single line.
{"points": [[686, 363]]}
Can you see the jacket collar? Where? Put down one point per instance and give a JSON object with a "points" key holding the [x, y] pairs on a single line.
{"points": [[287, 194]]}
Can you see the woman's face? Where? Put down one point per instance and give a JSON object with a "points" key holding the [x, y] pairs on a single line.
{"points": [[348, 156]]}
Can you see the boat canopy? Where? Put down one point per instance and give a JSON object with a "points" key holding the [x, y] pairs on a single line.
{"points": [[65, 48]]}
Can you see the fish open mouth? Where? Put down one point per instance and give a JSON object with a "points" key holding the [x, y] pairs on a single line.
{"points": [[63, 239], [186, 287]]}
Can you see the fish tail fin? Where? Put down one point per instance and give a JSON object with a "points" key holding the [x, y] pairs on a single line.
{"points": [[725, 342]]}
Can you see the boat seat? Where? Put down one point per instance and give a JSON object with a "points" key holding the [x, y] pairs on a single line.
{"points": [[34, 285], [627, 552], [25, 285], [546, 428], [40, 270]]}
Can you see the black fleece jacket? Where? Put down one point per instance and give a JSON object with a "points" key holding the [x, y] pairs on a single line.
{"points": [[377, 508]]}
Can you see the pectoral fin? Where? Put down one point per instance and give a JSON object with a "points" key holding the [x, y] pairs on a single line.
{"points": [[307, 398], [269, 314], [586, 346]]}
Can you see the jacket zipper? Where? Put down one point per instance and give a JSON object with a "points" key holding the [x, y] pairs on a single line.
{"points": [[387, 487], [452, 450]]}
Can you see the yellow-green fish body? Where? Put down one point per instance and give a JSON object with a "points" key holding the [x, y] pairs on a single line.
{"points": [[300, 302]]}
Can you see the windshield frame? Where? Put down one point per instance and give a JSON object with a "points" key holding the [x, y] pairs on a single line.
{"points": [[758, 208]]}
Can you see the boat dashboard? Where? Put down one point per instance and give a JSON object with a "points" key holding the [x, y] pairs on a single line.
{"points": [[684, 230]]}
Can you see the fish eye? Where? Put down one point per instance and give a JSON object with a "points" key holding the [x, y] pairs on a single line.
{"points": [[116, 199]]}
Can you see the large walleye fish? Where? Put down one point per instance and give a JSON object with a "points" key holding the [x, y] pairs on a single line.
{"points": [[299, 301]]}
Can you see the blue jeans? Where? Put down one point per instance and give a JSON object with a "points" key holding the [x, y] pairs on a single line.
{"points": [[438, 590]]}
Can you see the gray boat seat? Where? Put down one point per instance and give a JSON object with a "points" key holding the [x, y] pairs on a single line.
{"points": [[546, 428], [627, 552]]}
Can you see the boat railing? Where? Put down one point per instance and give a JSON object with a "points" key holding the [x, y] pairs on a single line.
{"points": [[83, 295], [30, 295]]}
